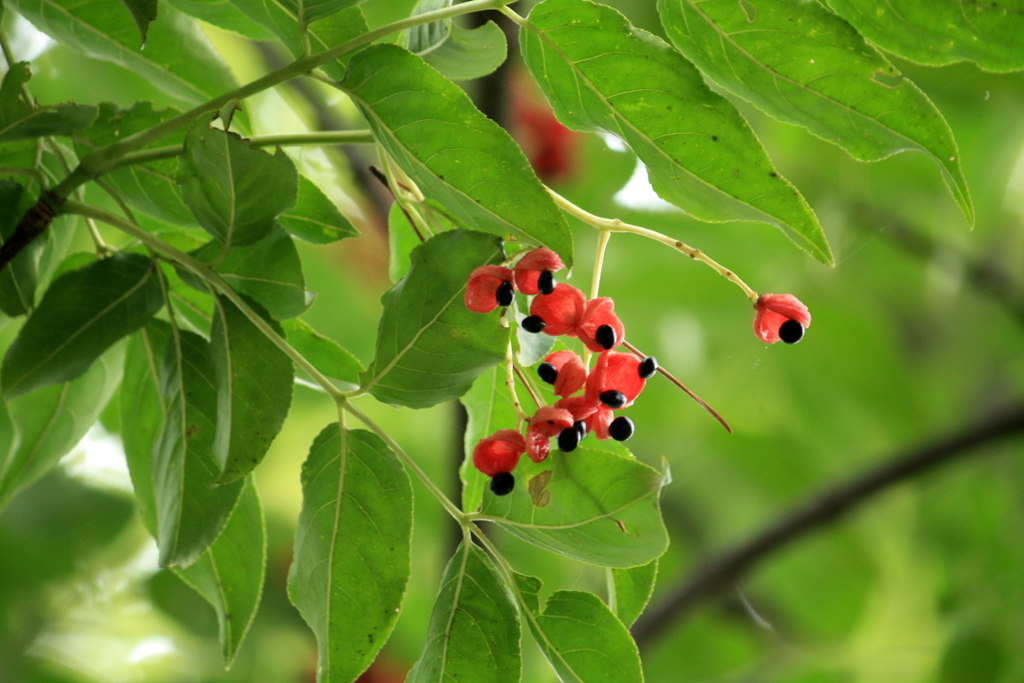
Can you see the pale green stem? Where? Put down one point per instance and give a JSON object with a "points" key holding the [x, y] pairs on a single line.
{"points": [[447, 504], [616, 225], [206, 273], [337, 137], [510, 382], [32, 173], [603, 237], [99, 161]]}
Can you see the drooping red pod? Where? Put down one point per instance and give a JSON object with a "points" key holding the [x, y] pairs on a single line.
{"points": [[559, 312], [600, 328], [488, 288], [545, 423], [570, 373], [532, 266], [616, 380], [497, 455], [780, 317]]}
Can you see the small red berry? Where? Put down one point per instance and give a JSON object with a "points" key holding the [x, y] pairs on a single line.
{"points": [[560, 310], [499, 452], [780, 317], [600, 328], [570, 373], [487, 288], [535, 266], [545, 423]]}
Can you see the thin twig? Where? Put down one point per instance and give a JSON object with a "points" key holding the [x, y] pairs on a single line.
{"points": [[723, 572]]}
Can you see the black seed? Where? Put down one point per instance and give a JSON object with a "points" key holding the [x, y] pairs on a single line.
{"points": [[621, 428], [502, 483], [791, 332], [505, 293], [547, 372], [613, 399], [533, 323], [606, 337], [580, 427], [546, 282], [648, 366], [568, 439]]}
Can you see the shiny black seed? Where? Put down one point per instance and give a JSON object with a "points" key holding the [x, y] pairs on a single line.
{"points": [[502, 483], [533, 323], [547, 372], [791, 332], [568, 439], [546, 282], [505, 293], [613, 399], [648, 366], [580, 427], [606, 337], [621, 428]]}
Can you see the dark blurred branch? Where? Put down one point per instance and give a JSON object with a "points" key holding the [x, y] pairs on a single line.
{"points": [[984, 276], [723, 572]]}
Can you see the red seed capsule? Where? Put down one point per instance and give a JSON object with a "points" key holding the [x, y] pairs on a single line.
{"points": [[778, 311], [560, 310], [600, 328], [531, 268], [499, 452], [545, 423], [570, 372], [615, 380], [482, 290]]}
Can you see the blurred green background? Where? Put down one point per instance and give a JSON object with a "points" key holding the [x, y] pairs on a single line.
{"points": [[923, 583]]}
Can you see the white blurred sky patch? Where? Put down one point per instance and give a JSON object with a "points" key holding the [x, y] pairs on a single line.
{"points": [[637, 193]]}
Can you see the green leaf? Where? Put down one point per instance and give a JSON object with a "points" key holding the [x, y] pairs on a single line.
{"points": [[474, 628], [283, 21], [142, 412], [191, 510], [584, 641], [940, 33], [489, 407], [179, 59], [315, 218], [430, 347], [601, 73], [269, 271], [230, 574], [458, 53], [223, 14], [51, 421], [311, 10], [631, 589], [803, 65], [143, 12], [235, 192], [455, 154], [592, 505], [402, 239], [327, 355], [152, 187], [254, 390], [79, 317], [19, 278], [18, 121], [351, 549]]}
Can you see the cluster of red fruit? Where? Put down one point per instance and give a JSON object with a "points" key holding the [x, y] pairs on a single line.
{"points": [[559, 309]]}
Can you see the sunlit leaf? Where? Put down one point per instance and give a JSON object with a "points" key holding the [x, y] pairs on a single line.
{"points": [[632, 588], [51, 421], [451, 150], [458, 53], [326, 355], [143, 12], [803, 65], [938, 33], [79, 317], [223, 14], [235, 192], [230, 574], [601, 73], [489, 407], [474, 628], [430, 347], [589, 504], [315, 217], [402, 239], [584, 641], [178, 58], [191, 511], [18, 121], [351, 549]]}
